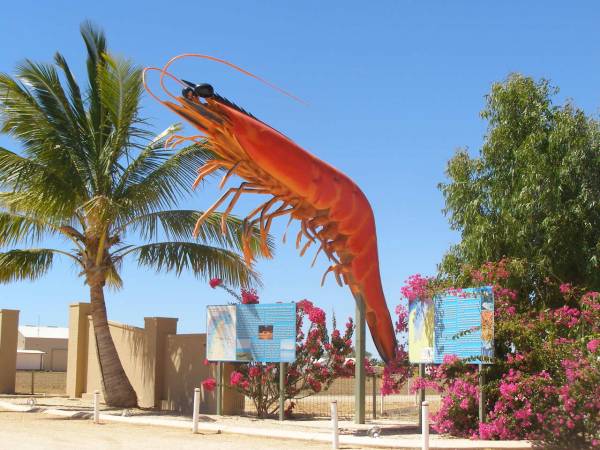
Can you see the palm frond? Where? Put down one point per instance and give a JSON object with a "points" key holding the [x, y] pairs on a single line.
{"points": [[120, 93], [44, 84], [24, 264], [95, 43], [37, 189], [75, 98], [162, 187], [147, 161], [204, 261], [41, 134], [179, 225], [15, 228], [22, 116], [113, 279]]}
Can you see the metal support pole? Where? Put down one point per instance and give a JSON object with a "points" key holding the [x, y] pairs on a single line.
{"points": [[425, 427], [96, 406], [219, 389], [374, 378], [32, 382], [334, 425], [421, 392], [359, 371], [196, 410], [481, 394], [282, 373]]}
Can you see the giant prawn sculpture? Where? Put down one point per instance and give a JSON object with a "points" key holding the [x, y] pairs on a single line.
{"points": [[332, 210]]}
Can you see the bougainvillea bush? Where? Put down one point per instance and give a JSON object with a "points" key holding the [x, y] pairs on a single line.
{"points": [[320, 359], [544, 384]]}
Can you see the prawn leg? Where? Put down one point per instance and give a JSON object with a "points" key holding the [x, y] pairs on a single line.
{"points": [[244, 187]]}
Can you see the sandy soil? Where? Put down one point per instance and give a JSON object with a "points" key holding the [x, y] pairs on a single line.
{"points": [[29, 431]]}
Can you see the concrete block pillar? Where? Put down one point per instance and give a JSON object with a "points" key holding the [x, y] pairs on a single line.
{"points": [[157, 329], [77, 356], [9, 335]]}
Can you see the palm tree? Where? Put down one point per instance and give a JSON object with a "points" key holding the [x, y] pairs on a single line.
{"points": [[91, 173]]}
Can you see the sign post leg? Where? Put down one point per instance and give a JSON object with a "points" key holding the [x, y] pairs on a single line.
{"points": [[359, 353], [282, 374], [421, 394], [219, 389], [481, 394], [374, 401]]}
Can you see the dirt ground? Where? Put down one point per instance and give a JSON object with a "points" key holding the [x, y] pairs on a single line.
{"points": [[34, 431]]}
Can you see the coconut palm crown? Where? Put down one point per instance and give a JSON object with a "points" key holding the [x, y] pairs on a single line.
{"points": [[90, 172]]}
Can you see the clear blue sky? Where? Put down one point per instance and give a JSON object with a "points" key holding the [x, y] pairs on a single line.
{"points": [[394, 88]]}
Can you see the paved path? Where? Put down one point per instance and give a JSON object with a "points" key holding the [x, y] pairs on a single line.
{"points": [[251, 432], [35, 431]]}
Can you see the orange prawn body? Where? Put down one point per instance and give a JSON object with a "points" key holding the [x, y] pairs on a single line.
{"points": [[332, 210]]}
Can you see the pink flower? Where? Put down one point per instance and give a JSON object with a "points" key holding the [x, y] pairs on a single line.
{"points": [[508, 389], [305, 306], [314, 384], [235, 378], [450, 359], [249, 297], [214, 282], [209, 384], [593, 345], [565, 288], [254, 371], [523, 414], [416, 287], [317, 316]]}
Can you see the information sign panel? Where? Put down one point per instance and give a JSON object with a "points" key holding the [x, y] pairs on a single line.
{"points": [[459, 323], [261, 333]]}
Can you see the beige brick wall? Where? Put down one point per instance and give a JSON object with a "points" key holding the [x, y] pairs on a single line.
{"points": [[163, 367]]}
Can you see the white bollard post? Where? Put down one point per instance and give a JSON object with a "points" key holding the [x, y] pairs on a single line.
{"points": [[425, 426], [196, 410], [96, 406], [334, 424]]}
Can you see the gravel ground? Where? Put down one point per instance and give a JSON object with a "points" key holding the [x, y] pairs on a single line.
{"points": [[34, 431]]}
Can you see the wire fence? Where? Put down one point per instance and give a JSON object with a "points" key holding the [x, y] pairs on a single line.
{"points": [[398, 406], [40, 382]]}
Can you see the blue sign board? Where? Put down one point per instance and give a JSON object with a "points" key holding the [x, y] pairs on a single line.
{"points": [[459, 323], [243, 333], [464, 325]]}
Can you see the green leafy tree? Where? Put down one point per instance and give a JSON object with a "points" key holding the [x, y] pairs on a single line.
{"points": [[533, 193], [91, 173]]}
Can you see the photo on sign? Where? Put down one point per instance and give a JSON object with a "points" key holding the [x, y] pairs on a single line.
{"points": [[265, 332]]}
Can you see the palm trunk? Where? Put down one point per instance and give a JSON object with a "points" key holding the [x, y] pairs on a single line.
{"points": [[116, 387]]}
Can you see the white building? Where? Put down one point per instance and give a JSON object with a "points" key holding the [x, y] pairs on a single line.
{"points": [[42, 347], [30, 359]]}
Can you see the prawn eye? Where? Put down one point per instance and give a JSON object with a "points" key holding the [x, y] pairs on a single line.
{"points": [[187, 92], [204, 90]]}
